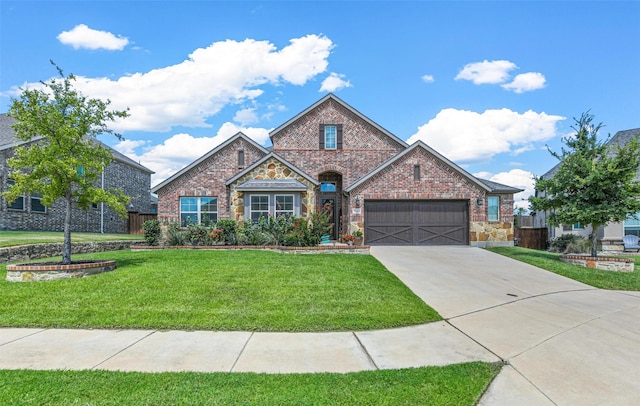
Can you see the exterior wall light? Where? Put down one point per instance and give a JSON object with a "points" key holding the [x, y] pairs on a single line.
{"points": [[479, 201], [357, 202]]}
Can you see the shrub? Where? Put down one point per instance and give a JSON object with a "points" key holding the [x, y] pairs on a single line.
{"points": [[198, 234], [229, 230], [571, 244], [175, 235], [151, 232]]}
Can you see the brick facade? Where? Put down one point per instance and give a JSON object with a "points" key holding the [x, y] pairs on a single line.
{"points": [[132, 180], [207, 178], [368, 163]]}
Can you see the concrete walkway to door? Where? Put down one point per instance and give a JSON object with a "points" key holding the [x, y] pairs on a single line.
{"points": [[565, 343]]}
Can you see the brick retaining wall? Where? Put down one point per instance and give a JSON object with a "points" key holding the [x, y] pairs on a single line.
{"points": [[604, 263]]}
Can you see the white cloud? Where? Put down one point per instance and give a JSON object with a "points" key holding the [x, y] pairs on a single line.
{"points": [[526, 82], [492, 72], [467, 136], [180, 150], [334, 82], [516, 178], [246, 116], [224, 73], [82, 36], [428, 79]]}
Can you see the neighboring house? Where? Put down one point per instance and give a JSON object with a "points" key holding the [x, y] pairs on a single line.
{"points": [[28, 213], [333, 157], [611, 234]]}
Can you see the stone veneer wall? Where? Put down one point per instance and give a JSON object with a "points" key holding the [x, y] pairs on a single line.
{"points": [[207, 179], [38, 251], [604, 263], [271, 169]]}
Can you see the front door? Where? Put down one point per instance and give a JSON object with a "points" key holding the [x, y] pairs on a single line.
{"points": [[329, 205]]}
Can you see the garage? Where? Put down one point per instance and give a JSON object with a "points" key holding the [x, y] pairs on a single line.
{"points": [[416, 222]]}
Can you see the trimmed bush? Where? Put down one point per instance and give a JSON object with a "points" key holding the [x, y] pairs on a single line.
{"points": [[152, 232]]}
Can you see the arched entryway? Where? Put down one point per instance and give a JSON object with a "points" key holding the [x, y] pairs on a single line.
{"points": [[330, 198]]}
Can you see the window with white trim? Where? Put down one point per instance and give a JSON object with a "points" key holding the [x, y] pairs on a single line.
{"points": [[198, 210], [330, 137], [493, 208], [284, 205], [259, 207], [17, 204]]}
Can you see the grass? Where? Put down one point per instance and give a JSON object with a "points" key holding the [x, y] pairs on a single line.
{"points": [[594, 277], [460, 384], [11, 238], [248, 290]]}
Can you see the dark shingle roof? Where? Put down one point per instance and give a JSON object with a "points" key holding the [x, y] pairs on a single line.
{"points": [[499, 187], [289, 185], [6, 132]]}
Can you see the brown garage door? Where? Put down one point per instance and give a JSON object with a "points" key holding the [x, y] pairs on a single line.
{"points": [[416, 222]]}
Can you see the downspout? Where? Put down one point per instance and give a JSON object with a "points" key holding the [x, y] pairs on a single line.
{"points": [[102, 206]]}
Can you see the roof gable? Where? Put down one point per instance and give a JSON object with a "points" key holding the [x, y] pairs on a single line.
{"points": [[346, 106], [400, 156], [266, 158], [206, 156]]}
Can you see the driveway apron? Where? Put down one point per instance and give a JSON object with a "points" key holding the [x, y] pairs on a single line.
{"points": [[564, 342]]}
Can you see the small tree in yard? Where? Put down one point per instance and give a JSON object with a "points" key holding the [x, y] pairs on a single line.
{"points": [[595, 182], [62, 159]]}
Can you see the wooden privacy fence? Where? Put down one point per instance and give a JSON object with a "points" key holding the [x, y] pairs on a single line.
{"points": [[535, 238], [136, 219]]}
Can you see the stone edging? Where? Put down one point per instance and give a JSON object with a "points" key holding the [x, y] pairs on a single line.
{"points": [[50, 271], [47, 250], [320, 249], [604, 263]]}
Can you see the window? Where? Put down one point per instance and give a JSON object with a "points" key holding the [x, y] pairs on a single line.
{"points": [[198, 210], [567, 227], [578, 226], [330, 137], [36, 204], [632, 225], [241, 158], [17, 204], [284, 205], [259, 207], [328, 187], [493, 208], [416, 172]]}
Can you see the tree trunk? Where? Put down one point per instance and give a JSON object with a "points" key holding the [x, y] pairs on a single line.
{"points": [[66, 250], [594, 240]]}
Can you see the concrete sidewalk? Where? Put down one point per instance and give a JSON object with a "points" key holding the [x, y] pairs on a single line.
{"points": [[156, 351], [565, 343]]}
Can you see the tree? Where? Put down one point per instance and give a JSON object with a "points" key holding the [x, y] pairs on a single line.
{"points": [[61, 158], [594, 184]]}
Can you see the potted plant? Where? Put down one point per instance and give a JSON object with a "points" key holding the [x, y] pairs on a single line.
{"points": [[358, 237], [349, 238]]}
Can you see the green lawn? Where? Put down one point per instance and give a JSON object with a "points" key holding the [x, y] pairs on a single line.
{"points": [[461, 384], [11, 238], [249, 290], [594, 277]]}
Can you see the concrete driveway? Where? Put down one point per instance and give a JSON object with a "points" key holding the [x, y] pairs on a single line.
{"points": [[565, 343]]}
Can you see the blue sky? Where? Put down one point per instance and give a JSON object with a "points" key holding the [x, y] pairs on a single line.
{"points": [[487, 84]]}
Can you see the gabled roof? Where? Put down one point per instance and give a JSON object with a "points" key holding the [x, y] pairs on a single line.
{"points": [[499, 187], [8, 140], [419, 144], [205, 157], [333, 97], [263, 160], [620, 139]]}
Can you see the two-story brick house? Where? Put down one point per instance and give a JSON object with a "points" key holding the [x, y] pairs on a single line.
{"points": [[27, 212], [332, 156]]}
